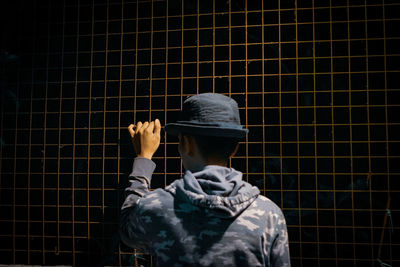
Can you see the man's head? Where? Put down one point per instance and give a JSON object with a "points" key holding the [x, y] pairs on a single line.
{"points": [[209, 130]]}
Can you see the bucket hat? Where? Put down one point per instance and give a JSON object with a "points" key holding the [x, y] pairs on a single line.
{"points": [[209, 114]]}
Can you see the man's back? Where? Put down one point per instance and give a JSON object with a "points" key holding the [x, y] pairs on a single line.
{"points": [[211, 218]]}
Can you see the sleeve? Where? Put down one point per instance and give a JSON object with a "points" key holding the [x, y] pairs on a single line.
{"points": [[279, 250], [132, 228]]}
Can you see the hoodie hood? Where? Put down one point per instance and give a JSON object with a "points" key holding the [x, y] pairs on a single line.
{"points": [[219, 189]]}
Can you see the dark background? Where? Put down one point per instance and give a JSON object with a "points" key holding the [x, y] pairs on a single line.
{"points": [[316, 82]]}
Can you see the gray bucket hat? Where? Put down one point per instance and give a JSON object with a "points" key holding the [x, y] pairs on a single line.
{"points": [[209, 114]]}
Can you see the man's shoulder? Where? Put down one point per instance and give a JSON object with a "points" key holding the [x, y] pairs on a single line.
{"points": [[159, 198], [266, 201], [159, 194], [156, 200], [267, 205]]}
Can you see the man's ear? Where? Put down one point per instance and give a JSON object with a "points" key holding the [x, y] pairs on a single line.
{"points": [[190, 145], [235, 150]]}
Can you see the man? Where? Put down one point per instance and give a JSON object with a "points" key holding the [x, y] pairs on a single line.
{"points": [[209, 217]]}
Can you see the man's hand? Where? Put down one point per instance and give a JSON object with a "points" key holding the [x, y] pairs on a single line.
{"points": [[145, 137]]}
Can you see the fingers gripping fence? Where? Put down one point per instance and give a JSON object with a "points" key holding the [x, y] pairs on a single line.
{"points": [[317, 86]]}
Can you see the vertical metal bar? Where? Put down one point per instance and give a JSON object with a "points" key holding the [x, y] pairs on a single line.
{"points": [[14, 161], [280, 100], [151, 61], [181, 63], [351, 127], [315, 135], [372, 257], [182, 59], [181, 93], [213, 49], [263, 97], [230, 55], [14, 198], [230, 58], [119, 117], [104, 118], [246, 103], [333, 132], [387, 131], [368, 103], [59, 145], [2, 99], [45, 131], [2, 85], [74, 130], [90, 126], [136, 61], [198, 47], [166, 93], [299, 189], [30, 133]]}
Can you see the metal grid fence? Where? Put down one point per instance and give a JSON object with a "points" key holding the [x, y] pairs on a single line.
{"points": [[316, 82]]}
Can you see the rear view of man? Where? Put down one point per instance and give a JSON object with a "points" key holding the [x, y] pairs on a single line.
{"points": [[209, 217]]}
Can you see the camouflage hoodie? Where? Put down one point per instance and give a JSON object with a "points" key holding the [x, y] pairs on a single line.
{"points": [[208, 218]]}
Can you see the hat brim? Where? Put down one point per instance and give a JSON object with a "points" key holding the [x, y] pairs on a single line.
{"points": [[218, 131]]}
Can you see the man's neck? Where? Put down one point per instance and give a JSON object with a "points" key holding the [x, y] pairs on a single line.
{"points": [[217, 162]]}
